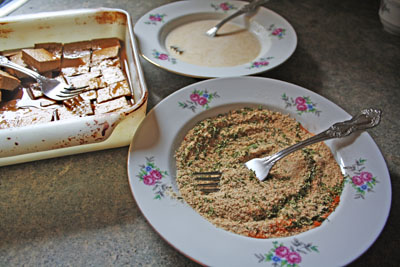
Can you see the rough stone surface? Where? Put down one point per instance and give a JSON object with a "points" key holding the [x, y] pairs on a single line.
{"points": [[73, 211]]}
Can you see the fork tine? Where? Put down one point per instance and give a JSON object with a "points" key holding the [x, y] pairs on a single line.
{"points": [[69, 94], [209, 184], [64, 97], [207, 178], [73, 90], [209, 173], [209, 190]]}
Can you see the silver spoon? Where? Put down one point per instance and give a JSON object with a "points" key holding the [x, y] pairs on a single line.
{"points": [[365, 119], [245, 9]]}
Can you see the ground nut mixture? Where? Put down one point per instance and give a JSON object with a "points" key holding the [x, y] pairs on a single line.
{"points": [[300, 192]]}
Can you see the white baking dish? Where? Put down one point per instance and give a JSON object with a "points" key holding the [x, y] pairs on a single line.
{"points": [[66, 137]]}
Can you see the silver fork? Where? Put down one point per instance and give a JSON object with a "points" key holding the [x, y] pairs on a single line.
{"points": [[245, 9], [365, 119], [51, 88]]}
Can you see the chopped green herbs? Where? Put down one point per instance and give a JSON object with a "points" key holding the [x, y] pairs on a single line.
{"points": [[300, 192]]}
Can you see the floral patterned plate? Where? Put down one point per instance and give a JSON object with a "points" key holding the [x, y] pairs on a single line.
{"points": [[345, 235], [277, 37]]}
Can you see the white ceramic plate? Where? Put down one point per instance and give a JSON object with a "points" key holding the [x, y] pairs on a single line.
{"points": [[345, 235], [277, 37]]}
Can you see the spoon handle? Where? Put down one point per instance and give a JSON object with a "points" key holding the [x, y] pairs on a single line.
{"points": [[253, 5], [245, 9], [365, 119]]}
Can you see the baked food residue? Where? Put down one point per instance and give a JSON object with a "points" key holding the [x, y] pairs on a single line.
{"points": [[95, 64]]}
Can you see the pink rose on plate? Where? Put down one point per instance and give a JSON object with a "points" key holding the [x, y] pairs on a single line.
{"points": [[281, 251], [277, 31], [366, 176], [149, 180], [357, 180], [224, 6], [163, 56], [301, 107], [202, 101], [300, 100], [155, 174], [293, 257], [194, 97], [155, 18]]}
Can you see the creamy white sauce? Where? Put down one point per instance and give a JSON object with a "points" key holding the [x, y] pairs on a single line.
{"points": [[231, 47]]}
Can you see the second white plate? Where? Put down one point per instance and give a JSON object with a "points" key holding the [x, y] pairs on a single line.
{"points": [[277, 37]]}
